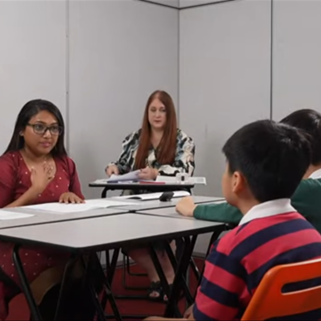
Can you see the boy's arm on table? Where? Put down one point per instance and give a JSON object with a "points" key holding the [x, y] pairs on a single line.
{"points": [[217, 212]]}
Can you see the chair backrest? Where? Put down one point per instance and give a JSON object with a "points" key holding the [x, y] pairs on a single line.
{"points": [[268, 300]]}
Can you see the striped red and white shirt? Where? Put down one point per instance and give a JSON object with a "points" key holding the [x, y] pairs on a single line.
{"points": [[270, 234]]}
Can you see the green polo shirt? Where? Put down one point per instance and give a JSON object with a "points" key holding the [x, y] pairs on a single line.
{"points": [[306, 200]]}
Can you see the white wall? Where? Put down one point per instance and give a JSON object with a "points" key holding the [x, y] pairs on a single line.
{"points": [[187, 3], [172, 3], [296, 56], [224, 79], [32, 56], [120, 52]]}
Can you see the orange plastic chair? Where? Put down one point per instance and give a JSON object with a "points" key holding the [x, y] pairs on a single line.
{"points": [[269, 302]]}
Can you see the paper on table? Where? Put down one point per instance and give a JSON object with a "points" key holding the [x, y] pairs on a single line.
{"points": [[152, 196], [173, 180], [10, 215], [100, 181], [131, 176], [125, 178], [61, 208]]}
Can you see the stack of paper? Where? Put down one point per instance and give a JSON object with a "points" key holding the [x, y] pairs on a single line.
{"points": [[62, 208], [131, 176], [11, 215], [174, 180]]}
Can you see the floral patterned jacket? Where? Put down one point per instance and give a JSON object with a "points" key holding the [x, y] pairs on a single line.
{"points": [[183, 163]]}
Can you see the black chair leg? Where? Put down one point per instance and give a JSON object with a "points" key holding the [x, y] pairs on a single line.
{"points": [[127, 270], [126, 257]]}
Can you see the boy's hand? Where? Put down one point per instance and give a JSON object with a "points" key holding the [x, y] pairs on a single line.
{"points": [[186, 206]]}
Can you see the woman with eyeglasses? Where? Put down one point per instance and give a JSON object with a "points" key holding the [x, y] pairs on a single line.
{"points": [[35, 169]]}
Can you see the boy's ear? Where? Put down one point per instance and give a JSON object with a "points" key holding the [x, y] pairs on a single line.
{"points": [[238, 182]]}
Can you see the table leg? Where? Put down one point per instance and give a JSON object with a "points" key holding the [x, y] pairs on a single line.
{"points": [[159, 269], [99, 310], [174, 263], [107, 291], [35, 313], [161, 275], [89, 282], [104, 192], [195, 269], [183, 264], [62, 292], [107, 259], [110, 271]]}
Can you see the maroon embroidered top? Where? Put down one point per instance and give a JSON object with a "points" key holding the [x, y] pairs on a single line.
{"points": [[15, 181]]}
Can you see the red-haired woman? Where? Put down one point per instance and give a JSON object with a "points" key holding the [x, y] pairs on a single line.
{"points": [[158, 148]]}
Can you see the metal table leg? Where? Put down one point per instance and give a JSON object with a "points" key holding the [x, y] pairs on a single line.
{"points": [[174, 263], [89, 284], [111, 267], [64, 284], [183, 264], [104, 192], [35, 313], [96, 269]]}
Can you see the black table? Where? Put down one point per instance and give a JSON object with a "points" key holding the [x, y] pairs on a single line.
{"points": [[136, 186]]}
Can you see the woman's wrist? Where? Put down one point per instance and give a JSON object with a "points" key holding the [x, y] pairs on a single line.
{"points": [[155, 173]]}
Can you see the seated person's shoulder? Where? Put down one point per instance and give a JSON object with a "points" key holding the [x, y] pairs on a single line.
{"points": [[67, 163], [10, 165], [309, 184], [133, 136], [229, 241], [10, 160], [181, 134], [261, 231], [183, 138]]}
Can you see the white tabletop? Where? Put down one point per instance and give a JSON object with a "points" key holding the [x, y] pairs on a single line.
{"points": [[156, 204], [43, 217], [165, 211], [170, 211], [107, 231]]}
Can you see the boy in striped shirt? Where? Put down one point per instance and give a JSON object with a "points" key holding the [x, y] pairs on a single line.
{"points": [[306, 199], [265, 163]]}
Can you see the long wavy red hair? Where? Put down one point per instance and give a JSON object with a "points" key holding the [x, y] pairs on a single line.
{"points": [[166, 149]]}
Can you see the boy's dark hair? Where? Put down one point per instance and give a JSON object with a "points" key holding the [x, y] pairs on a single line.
{"points": [[273, 158], [309, 121]]}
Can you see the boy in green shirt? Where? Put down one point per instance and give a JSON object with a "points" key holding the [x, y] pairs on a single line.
{"points": [[306, 199]]}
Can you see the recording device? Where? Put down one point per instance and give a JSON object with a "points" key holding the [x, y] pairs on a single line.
{"points": [[166, 197]]}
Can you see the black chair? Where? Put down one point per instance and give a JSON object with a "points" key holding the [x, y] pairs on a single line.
{"points": [[127, 270]]}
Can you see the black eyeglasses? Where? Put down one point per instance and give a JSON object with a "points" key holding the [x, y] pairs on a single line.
{"points": [[40, 129]]}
